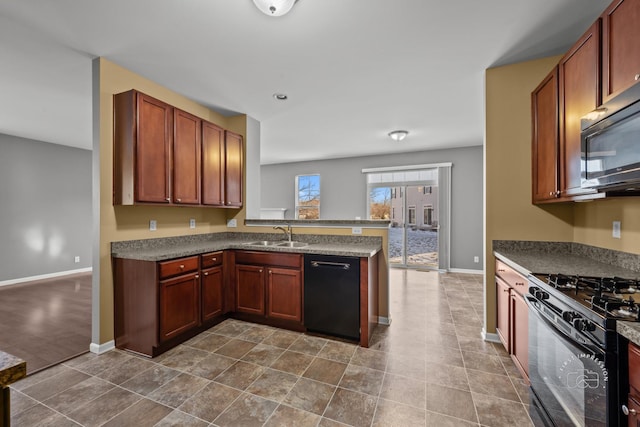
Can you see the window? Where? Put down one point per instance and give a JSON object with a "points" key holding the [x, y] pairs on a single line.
{"points": [[428, 215], [308, 197], [412, 215]]}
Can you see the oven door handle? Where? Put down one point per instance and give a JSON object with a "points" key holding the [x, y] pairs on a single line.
{"points": [[587, 347]]}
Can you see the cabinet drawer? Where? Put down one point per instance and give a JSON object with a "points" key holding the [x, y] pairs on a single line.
{"points": [[634, 367], [514, 279], [178, 266], [269, 258], [211, 259]]}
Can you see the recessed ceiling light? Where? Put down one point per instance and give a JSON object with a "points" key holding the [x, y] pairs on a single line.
{"points": [[398, 135], [280, 96]]}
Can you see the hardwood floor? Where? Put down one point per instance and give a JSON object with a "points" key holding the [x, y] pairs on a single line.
{"points": [[48, 321]]}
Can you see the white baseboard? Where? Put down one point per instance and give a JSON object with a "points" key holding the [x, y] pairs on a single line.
{"points": [[490, 337], [45, 276], [102, 348], [384, 321], [465, 271]]}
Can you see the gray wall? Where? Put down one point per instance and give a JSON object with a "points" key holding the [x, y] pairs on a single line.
{"points": [[45, 208], [344, 192]]}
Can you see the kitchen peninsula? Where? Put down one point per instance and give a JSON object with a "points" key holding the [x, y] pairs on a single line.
{"points": [[169, 289]]}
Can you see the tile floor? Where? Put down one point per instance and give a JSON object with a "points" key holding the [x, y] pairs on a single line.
{"points": [[429, 368]]}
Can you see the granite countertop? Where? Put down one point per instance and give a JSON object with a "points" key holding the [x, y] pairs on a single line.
{"points": [[629, 330], [177, 247], [12, 369], [566, 258]]}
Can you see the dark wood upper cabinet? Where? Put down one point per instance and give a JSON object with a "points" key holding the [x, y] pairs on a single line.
{"points": [[186, 158], [213, 158], [620, 47], [166, 155], [579, 93], [234, 169], [143, 136], [544, 109]]}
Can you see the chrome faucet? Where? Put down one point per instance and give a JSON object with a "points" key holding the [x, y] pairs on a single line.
{"points": [[287, 231]]}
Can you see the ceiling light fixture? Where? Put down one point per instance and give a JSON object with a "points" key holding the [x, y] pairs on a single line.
{"points": [[274, 7], [398, 135], [280, 96]]}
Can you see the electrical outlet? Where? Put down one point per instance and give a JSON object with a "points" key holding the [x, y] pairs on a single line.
{"points": [[153, 225], [476, 259], [192, 223], [616, 229], [356, 230], [76, 259], [232, 223]]}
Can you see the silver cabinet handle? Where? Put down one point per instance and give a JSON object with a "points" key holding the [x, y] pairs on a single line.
{"points": [[628, 411], [332, 264]]}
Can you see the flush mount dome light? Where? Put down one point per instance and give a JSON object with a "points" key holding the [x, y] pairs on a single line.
{"points": [[274, 7], [398, 135], [280, 96]]}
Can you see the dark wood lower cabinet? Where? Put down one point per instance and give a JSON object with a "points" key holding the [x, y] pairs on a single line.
{"points": [[159, 305], [285, 294], [520, 332], [269, 287], [212, 285], [179, 305], [250, 289]]}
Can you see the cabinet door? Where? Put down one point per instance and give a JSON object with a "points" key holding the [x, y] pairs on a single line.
{"points": [[620, 47], [179, 305], [186, 158], [284, 294], [211, 292], [153, 150], [544, 108], [503, 296], [234, 169], [250, 296], [579, 85], [213, 157], [520, 332]]}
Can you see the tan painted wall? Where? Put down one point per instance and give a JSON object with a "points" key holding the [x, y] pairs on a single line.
{"points": [[132, 222], [509, 212], [593, 224]]}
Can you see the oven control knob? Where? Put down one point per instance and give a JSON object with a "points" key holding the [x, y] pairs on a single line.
{"points": [[570, 316], [583, 325]]}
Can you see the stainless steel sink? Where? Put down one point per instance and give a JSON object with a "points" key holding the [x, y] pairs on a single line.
{"points": [[293, 244], [264, 243]]}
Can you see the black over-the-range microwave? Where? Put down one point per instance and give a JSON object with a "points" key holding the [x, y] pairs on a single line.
{"points": [[610, 148]]}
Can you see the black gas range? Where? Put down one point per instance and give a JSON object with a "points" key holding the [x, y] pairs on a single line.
{"points": [[573, 347]]}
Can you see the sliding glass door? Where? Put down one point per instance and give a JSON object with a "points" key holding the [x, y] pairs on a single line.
{"points": [[412, 202]]}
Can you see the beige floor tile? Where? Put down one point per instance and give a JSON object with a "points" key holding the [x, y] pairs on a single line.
{"points": [[247, 411], [210, 402], [391, 414], [326, 371], [351, 407], [310, 396]]}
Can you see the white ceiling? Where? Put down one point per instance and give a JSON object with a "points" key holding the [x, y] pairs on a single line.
{"points": [[353, 69]]}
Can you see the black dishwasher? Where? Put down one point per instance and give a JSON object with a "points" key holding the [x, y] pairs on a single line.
{"points": [[332, 295]]}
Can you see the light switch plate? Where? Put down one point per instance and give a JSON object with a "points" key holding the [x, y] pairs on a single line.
{"points": [[153, 225], [192, 223], [356, 230], [616, 229]]}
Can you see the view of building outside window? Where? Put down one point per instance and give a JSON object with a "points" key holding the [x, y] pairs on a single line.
{"points": [[308, 197]]}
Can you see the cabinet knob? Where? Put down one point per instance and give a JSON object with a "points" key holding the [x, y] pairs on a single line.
{"points": [[197, 276], [637, 77], [260, 271], [628, 411], [168, 199], [181, 266], [205, 274], [505, 290], [519, 284], [501, 270], [551, 193], [179, 200], [214, 259]]}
